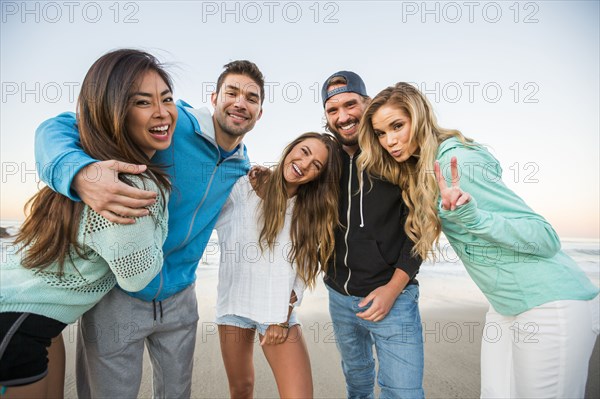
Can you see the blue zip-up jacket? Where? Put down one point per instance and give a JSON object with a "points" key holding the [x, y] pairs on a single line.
{"points": [[201, 184]]}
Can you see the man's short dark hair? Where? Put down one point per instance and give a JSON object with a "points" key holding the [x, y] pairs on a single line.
{"points": [[246, 68]]}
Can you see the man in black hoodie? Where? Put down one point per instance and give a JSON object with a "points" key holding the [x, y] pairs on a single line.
{"points": [[373, 293]]}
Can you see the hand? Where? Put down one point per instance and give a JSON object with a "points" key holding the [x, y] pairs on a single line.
{"points": [[274, 335], [99, 186], [256, 173], [383, 299], [452, 197]]}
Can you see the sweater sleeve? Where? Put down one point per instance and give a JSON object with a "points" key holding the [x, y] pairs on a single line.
{"points": [[495, 213], [226, 213], [58, 153], [133, 252], [227, 210], [299, 288]]}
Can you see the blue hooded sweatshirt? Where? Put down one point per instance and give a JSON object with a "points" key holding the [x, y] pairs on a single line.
{"points": [[201, 184]]}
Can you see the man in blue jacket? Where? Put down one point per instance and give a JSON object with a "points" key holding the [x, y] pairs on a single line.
{"points": [[205, 159]]}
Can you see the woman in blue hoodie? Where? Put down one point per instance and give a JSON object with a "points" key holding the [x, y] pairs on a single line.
{"points": [[543, 308]]}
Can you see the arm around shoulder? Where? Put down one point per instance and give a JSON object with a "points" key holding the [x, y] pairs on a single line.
{"points": [[58, 153], [68, 170], [133, 251]]}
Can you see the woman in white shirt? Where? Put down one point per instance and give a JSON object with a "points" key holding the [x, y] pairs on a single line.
{"points": [[274, 233]]}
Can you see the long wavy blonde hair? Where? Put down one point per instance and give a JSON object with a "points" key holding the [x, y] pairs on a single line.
{"points": [[415, 176], [315, 214]]}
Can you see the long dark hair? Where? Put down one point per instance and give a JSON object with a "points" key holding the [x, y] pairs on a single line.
{"points": [[49, 233], [315, 214]]}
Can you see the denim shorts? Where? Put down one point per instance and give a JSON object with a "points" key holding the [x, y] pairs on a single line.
{"points": [[244, 322]]}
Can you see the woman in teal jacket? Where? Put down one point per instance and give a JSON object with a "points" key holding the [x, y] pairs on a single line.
{"points": [[66, 256], [544, 309]]}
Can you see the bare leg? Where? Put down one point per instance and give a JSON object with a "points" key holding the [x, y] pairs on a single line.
{"points": [[56, 368], [52, 385], [236, 348], [291, 366], [37, 390]]}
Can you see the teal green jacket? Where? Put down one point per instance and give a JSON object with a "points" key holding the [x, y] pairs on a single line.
{"points": [[128, 254], [512, 253]]}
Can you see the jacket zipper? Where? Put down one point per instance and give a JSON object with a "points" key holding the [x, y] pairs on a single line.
{"points": [[348, 228], [212, 176]]}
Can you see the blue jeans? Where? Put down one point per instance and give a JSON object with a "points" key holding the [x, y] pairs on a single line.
{"points": [[398, 341]]}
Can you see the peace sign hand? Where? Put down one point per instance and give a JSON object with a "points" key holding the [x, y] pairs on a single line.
{"points": [[452, 197]]}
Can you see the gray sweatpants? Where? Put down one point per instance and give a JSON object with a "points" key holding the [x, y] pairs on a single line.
{"points": [[110, 346]]}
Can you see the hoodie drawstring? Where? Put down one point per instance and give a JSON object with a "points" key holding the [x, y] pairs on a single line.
{"points": [[362, 180], [159, 308]]}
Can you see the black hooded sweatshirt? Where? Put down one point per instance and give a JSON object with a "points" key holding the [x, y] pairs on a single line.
{"points": [[371, 243]]}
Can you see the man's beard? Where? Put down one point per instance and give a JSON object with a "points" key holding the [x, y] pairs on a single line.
{"points": [[348, 142], [231, 130]]}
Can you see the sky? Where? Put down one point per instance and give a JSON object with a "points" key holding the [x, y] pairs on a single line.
{"points": [[521, 77]]}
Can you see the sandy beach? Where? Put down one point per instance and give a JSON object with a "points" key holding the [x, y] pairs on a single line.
{"points": [[452, 309]]}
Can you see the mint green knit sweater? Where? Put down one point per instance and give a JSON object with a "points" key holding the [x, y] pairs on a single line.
{"points": [[128, 255], [511, 252]]}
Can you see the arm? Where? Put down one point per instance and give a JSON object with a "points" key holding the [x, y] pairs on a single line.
{"points": [[133, 252], [407, 266], [278, 333], [58, 153], [406, 261], [297, 291], [226, 212], [67, 169], [383, 297], [486, 208]]}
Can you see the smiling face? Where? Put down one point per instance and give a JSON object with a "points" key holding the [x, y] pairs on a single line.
{"points": [[343, 112], [304, 163], [392, 127], [237, 108], [152, 115]]}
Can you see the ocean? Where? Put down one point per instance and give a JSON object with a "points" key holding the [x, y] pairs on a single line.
{"points": [[586, 252], [452, 309]]}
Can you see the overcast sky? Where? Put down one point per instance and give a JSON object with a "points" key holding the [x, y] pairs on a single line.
{"points": [[521, 77]]}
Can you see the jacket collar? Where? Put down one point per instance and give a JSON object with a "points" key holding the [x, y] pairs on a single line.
{"points": [[204, 126]]}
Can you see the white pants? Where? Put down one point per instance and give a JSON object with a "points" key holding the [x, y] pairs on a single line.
{"points": [[541, 353]]}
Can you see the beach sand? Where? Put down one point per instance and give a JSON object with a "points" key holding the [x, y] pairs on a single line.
{"points": [[452, 310]]}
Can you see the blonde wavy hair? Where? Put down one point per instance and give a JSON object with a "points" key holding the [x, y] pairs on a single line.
{"points": [[315, 214], [415, 176]]}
